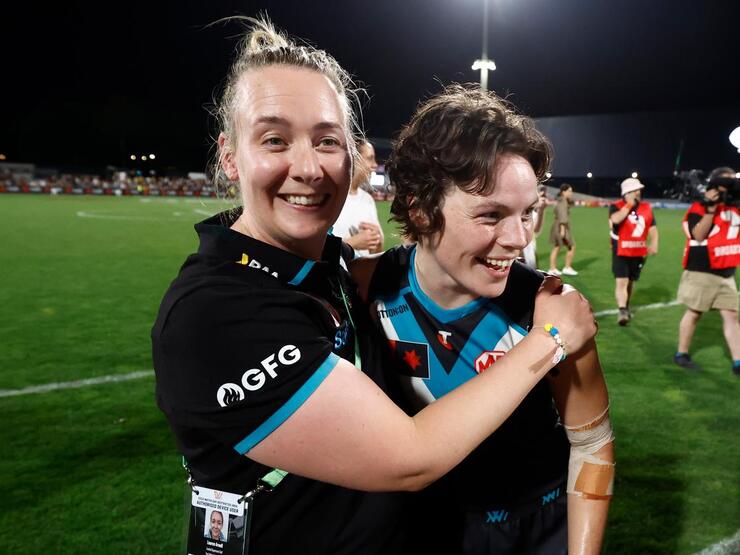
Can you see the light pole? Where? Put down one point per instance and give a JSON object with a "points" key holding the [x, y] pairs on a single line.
{"points": [[484, 64]]}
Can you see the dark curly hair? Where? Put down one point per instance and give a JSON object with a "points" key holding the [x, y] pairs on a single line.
{"points": [[453, 140]]}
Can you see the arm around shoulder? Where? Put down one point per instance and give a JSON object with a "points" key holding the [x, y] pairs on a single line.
{"points": [[349, 433]]}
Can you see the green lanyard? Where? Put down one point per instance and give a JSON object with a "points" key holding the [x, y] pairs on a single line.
{"points": [[358, 360], [268, 482], [274, 477]]}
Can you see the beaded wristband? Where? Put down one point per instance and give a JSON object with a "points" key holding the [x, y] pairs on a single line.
{"points": [[560, 353]]}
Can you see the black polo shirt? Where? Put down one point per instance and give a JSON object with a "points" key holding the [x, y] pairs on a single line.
{"points": [[245, 334]]}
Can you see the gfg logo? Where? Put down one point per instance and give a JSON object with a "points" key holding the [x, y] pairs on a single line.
{"points": [[255, 378], [229, 393]]}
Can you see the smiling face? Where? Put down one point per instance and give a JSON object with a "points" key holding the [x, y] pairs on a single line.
{"points": [[483, 234], [217, 523], [291, 157]]}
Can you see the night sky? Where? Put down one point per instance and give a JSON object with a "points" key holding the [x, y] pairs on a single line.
{"points": [[85, 84]]}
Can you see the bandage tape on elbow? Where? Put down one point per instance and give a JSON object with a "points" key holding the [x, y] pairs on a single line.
{"points": [[588, 475]]}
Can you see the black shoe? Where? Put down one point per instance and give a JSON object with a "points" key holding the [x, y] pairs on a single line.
{"points": [[736, 370], [624, 317], [685, 362]]}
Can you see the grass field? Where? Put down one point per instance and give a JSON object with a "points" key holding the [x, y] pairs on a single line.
{"points": [[95, 469]]}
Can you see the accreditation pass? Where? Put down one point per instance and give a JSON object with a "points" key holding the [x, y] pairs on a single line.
{"points": [[219, 522]]}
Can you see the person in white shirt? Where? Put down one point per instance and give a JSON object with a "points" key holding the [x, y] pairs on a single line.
{"points": [[529, 253], [358, 224]]}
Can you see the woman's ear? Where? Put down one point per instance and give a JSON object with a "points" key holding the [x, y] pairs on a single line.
{"points": [[227, 158], [416, 215]]}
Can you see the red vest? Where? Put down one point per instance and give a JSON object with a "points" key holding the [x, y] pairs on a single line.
{"points": [[723, 243], [633, 231]]}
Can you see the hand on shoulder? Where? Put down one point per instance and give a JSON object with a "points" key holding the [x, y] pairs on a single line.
{"points": [[568, 310]]}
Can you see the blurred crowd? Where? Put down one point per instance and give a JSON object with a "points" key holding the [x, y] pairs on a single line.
{"points": [[117, 184], [121, 183]]}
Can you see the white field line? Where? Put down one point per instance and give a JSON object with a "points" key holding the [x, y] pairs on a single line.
{"points": [[53, 386], [177, 200], [652, 306], [44, 388], [179, 216], [728, 546], [93, 215]]}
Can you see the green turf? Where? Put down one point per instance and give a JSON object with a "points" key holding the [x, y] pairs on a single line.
{"points": [[95, 470]]}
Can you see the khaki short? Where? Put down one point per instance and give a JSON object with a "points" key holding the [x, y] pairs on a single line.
{"points": [[701, 291], [561, 241]]}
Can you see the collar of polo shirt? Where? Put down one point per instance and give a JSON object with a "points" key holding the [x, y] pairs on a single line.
{"points": [[219, 240]]}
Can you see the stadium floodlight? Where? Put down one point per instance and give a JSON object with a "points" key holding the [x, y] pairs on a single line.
{"points": [[548, 175], [133, 156], [484, 65], [151, 157], [490, 65], [735, 138], [144, 158], [737, 175], [589, 175], [634, 175]]}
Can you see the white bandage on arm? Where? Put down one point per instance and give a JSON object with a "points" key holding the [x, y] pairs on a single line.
{"points": [[590, 476]]}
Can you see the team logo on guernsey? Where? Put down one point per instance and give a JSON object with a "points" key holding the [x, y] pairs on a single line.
{"points": [[256, 264], [486, 359], [413, 358], [229, 393], [442, 337]]}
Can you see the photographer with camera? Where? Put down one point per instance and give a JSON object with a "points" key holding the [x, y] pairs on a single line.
{"points": [[712, 252], [634, 237]]}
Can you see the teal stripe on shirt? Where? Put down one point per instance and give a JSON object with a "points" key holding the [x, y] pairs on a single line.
{"points": [[290, 406], [302, 273]]}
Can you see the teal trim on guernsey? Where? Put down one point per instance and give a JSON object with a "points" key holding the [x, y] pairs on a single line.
{"points": [[301, 275], [290, 406], [444, 315]]}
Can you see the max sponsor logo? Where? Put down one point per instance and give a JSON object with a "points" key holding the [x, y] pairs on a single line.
{"points": [[486, 359], [254, 263], [254, 378]]}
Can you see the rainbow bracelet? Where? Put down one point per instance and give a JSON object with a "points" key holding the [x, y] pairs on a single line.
{"points": [[560, 353]]}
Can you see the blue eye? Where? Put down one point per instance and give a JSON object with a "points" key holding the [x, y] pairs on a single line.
{"points": [[329, 142], [274, 141]]}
